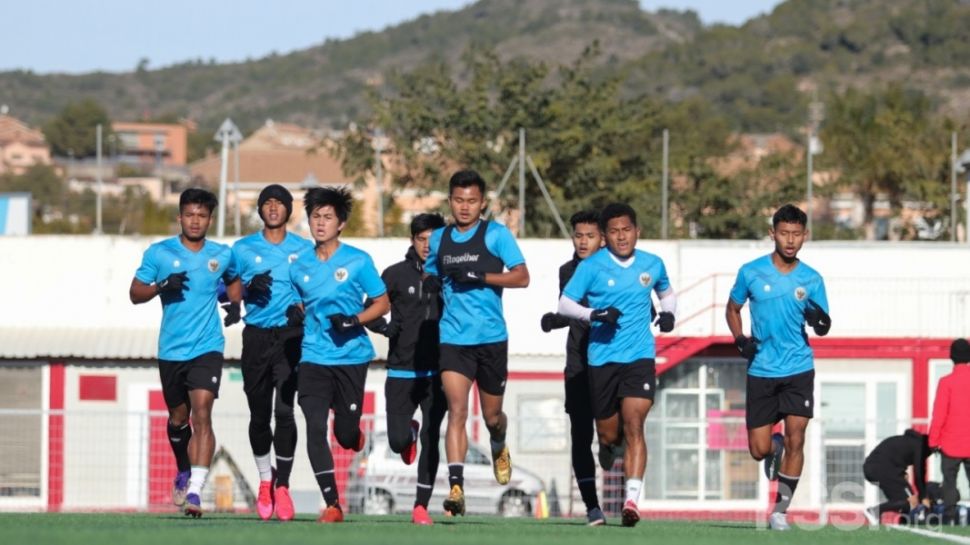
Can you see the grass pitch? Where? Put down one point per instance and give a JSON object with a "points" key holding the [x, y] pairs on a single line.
{"points": [[213, 529]]}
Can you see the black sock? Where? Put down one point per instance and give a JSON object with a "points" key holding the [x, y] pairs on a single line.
{"points": [[328, 485], [423, 495], [786, 489], [283, 469], [456, 475], [178, 438], [587, 489]]}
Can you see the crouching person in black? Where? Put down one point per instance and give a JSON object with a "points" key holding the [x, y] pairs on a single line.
{"points": [[886, 467]]}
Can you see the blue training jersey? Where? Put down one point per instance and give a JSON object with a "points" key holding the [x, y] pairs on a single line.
{"points": [[606, 283], [474, 316], [778, 304], [335, 286], [254, 255], [190, 320]]}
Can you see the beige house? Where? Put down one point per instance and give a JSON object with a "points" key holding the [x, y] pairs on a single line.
{"points": [[21, 146]]}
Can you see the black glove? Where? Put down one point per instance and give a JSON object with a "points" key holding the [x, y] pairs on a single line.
{"points": [[431, 284], [378, 326], [817, 318], [259, 285], [551, 320], [294, 316], [174, 283], [747, 346], [468, 276], [608, 315], [232, 314], [666, 321], [343, 323]]}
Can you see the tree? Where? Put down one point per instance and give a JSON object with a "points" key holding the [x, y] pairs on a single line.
{"points": [[888, 142], [73, 131]]}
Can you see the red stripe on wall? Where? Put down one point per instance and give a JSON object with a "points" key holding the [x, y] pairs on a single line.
{"points": [[55, 438], [97, 388]]}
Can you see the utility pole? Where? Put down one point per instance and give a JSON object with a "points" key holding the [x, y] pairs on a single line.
{"points": [[378, 145], [953, 186], [521, 182], [98, 228], [816, 112], [663, 185], [235, 189], [226, 135]]}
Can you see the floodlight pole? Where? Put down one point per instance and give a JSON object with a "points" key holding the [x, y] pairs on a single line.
{"points": [[953, 186]]}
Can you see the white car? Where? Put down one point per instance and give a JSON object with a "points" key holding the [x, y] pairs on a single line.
{"points": [[380, 483]]}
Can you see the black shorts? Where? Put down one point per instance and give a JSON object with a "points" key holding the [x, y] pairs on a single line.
{"points": [[404, 395], [578, 401], [610, 383], [486, 364], [340, 386], [769, 400], [181, 377], [269, 357]]}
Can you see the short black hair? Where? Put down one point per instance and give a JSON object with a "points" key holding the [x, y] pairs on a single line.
{"points": [[338, 197], [789, 214], [197, 195], [616, 210], [466, 178], [423, 222], [585, 216]]}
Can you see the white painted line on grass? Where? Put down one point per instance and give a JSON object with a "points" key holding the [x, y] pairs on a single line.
{"points": [[937, 535]]}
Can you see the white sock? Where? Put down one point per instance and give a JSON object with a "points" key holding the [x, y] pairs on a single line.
{"points": [[265, 467], [497, 446], [197, 480], [633, 487]]}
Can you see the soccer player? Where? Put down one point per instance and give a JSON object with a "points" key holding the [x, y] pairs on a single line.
{"points": [[185, 272], [468, 262], [587, 239], [332, 281], [271, 345], [616, 282], [412, 363], [785, 294]]}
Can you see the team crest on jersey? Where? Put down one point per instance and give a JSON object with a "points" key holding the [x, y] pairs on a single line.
{"points": [[800, 293], [410, 290], [306, 278], [213, 265], [340, 274], [767, 288], [259, 259], [176, 263], [644, 279], [291, 258], [610, 282]]}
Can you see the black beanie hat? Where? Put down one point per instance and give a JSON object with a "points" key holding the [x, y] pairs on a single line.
{"points": [[278, 192], [960, 351]]}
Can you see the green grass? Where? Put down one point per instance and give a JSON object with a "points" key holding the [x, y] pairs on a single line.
{"points": [[174, 529]]}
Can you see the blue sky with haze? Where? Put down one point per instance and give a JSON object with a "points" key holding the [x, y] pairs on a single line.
{"points": [[83, 36]]}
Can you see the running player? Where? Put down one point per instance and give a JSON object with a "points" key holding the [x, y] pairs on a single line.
{"points": [[616, 282], [332, 281], [467, 261], [271, 345], [185, 272], [785, 294], [412, 363], [587, 239]]}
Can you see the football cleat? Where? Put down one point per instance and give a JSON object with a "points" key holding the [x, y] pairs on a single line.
{"points": [[595, 517], [333, 513], [455, 502], [180, 488], [778, 521], [193, 506], [773, 461], [502, 466], [410, 452], [284, 504], [264, 501], [420, 516], [630, 514]]}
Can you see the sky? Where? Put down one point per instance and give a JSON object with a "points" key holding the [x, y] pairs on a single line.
{"points": [[81, 36]]}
